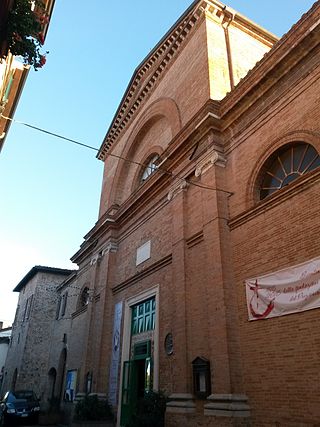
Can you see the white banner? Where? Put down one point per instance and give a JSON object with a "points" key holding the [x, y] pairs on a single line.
{"points": [[115, 355], [286, 291]]}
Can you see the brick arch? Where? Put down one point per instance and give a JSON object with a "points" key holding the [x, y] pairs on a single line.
{"points": [[165, 107], [309, 137], [165, 110]]}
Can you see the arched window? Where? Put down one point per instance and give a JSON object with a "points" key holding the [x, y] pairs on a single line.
{"points": [[286, 165], [52, 377], [84, 297], [150, 168]]}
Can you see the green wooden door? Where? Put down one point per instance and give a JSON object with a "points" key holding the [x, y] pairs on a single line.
{"points": [[137, 380], [128, 402]]}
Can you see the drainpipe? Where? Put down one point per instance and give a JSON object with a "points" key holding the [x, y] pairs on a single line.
{"points": [[228, 17]]}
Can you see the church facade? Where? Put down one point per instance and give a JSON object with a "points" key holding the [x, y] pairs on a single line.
{"points": [[200, 276], [211, 176]]}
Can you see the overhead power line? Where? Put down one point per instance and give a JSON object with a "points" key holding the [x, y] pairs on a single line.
{"points": [[73, 141]]}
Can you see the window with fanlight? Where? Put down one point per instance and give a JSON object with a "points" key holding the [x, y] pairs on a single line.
{"points": [[150, 167], [286, 165]]}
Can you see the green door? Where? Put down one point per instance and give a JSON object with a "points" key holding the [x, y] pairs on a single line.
{"points": [[129, 395], [137, 380]]}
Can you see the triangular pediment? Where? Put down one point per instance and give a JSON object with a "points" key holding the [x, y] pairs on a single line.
{"points": [[148, 74]]}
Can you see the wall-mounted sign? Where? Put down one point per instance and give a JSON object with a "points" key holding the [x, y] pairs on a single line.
{"points": [[115, 356], [71, 386]]}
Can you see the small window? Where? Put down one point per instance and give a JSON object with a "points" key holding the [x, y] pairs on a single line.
{"points": [[286, 165], [64, 304], [29, 305], [84, 297], [150, 168], [25, 310], [58, 308]]}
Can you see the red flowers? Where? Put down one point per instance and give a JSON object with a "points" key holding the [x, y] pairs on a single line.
{"points": [[40, 37], [43, 60], [26, 26], [44, 19], [17, 37]]}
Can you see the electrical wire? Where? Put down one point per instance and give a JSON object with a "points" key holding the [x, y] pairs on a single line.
{"points": [[73, 141]]}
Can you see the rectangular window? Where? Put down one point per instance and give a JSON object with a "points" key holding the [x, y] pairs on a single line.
{"points": [[64, 304], [58, 308], [143, 316], [29, 303], [25, 310]]}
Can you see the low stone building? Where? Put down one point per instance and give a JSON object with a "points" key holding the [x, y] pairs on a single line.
{"points": [[27, 360]]}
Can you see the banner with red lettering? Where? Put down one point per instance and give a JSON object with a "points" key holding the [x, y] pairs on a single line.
{"points": [[286, 291]]}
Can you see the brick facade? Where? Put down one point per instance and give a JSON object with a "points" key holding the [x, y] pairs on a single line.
{"points": [[213, 124], [212, 129]]}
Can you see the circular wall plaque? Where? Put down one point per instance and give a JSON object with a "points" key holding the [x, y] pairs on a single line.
{"points": [[168, 344]]}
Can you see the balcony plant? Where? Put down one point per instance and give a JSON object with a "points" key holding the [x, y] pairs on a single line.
{"points": [[24, 35]]}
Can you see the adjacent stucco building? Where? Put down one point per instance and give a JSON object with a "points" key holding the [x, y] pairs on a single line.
{"points": [[13, 73]]}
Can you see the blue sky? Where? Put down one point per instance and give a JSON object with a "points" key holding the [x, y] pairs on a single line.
{"points": [[50, 189]]}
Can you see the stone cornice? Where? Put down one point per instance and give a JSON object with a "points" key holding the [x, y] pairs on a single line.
{"points": [[110, 247], [213, 157], [177, 188], [140, 275], [301, 184]]}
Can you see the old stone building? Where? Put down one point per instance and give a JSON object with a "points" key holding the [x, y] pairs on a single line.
{"points": [[26, 364], [200, 277]]}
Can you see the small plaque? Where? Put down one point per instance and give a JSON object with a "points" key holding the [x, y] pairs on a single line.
{"points": [[168, 344]]}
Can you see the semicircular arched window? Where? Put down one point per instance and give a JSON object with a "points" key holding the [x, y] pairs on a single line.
{"points": [[84, 297], [286, 165], [150, 168]]}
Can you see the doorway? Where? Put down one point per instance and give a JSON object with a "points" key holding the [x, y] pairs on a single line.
{"points": [[137, 380]]}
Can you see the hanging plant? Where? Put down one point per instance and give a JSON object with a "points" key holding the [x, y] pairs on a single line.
{"points": [[26, 21]]}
